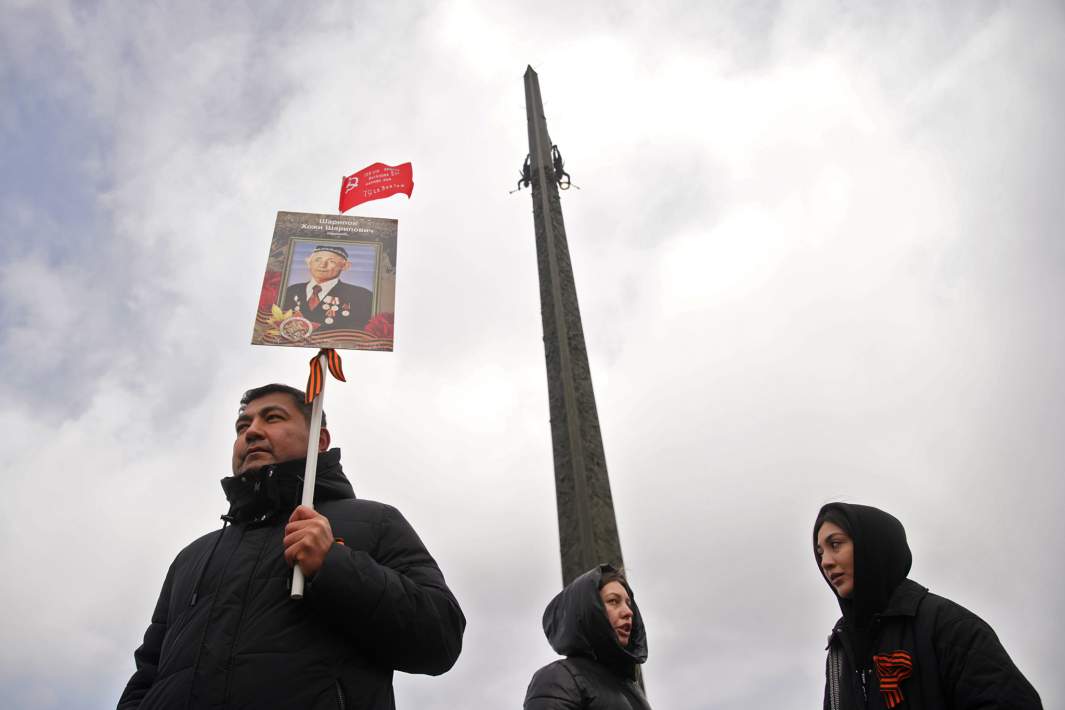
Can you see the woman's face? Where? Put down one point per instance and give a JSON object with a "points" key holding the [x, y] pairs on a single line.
{"points": [[835, 550], [618, 612]]}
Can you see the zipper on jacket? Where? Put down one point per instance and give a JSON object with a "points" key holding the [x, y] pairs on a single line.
{"points": [[203, 570], [228, 665], [835, 668], [210, 610], [340, 695]]}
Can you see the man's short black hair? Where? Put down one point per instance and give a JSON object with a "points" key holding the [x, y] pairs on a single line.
{"points": [[298, 396]]}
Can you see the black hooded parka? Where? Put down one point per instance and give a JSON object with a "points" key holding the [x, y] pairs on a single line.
{"points": [[931, 654], [226, 634], [598, 673]]}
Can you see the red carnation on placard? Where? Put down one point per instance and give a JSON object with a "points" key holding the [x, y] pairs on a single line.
{"points": [[268, 296], [380, 326]]}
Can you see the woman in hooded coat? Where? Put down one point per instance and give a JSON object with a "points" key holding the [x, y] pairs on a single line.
{"points": [[898, 645], [595, 623]]}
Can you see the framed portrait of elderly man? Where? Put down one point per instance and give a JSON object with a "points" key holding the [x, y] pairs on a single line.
{"points": [[330, 282]]}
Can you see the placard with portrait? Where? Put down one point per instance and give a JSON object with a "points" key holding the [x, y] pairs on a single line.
{"points": [[330, 282]]}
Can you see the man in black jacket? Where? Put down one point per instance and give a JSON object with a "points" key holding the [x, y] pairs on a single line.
{"points": [[225, 632], [898, 645]]}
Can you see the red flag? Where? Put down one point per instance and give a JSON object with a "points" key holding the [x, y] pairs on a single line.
{"points": [[375, 182]]}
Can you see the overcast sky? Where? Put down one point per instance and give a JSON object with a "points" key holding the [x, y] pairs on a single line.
{"points": [[819, 255]]}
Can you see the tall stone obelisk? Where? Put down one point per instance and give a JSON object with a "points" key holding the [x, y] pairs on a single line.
{"points": [[587, 530]]}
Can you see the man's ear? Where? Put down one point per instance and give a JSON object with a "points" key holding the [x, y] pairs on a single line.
{"points": [[347, 265], [323, 439]]}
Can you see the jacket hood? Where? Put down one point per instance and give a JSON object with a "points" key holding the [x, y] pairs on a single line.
{"points": [[881, 559], [261, 493], [576, 624]]}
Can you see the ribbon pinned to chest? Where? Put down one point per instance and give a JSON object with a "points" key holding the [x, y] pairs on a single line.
{"points": [[891, 669]]}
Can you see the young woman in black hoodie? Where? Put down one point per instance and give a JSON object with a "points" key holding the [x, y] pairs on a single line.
{"points": [[897, 644], [595, 623]]}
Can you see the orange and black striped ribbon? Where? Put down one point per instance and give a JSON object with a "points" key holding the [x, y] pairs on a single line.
{"points": [[893, 668], [317, 377]]}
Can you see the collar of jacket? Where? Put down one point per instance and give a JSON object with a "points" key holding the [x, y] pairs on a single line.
{"points": [[261, 494], [903, 602], [905, 599]]}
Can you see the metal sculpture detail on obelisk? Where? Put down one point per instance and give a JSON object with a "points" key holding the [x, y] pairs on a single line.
{"points": [[587, 530]]}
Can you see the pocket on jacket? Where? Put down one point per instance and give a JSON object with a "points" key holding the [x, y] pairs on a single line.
{"points": [[341, 704]]}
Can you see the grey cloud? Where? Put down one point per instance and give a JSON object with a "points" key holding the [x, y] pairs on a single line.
{"points": [[851, 292]]}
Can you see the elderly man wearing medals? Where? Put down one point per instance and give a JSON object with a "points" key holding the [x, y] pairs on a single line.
{"points": [[326, 300]]}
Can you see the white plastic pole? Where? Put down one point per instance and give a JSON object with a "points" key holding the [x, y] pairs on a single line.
{"points": [[312, 469]]}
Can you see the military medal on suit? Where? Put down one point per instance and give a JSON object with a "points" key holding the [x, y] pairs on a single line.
{"points": [[346, 306]]}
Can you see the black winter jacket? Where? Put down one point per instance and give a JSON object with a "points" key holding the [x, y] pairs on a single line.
{"points": [[225, 633], [923, 652], [598, 673]]}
